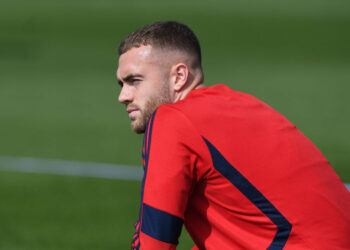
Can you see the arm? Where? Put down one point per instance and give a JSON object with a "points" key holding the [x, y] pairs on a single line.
{"points": [[169, 165]]}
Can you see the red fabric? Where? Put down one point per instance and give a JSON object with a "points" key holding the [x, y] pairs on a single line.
{"points": [[151, 243], [267, 150]]}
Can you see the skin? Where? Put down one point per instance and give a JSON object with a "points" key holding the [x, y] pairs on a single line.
{"points": [[150, 77]]}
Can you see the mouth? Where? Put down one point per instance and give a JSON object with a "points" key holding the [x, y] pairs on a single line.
{"points": [[132, 112]]}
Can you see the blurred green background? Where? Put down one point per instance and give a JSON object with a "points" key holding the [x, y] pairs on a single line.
{"points": [[58, 99]]}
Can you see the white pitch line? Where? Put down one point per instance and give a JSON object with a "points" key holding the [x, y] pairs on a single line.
{"points": [[74, 168]]}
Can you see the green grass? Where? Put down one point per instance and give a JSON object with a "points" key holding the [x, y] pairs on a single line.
{"points": [[58, 99], [60, 212]]}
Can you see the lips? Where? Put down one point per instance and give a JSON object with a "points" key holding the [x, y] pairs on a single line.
{"points": [[132, 111]]}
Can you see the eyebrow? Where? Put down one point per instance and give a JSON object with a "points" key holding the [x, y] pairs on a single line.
{"points": [[128, 78]]}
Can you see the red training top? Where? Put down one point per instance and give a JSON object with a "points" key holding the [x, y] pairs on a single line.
{"points": [[238, 175]]}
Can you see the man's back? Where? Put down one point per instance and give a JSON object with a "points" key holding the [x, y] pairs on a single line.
{"points": [[240, 175]]}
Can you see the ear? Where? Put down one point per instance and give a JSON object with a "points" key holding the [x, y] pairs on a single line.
{"points": [[179, 74]]}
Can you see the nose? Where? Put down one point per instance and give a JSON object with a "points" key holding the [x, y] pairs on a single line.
{"points": [[125, 95]]}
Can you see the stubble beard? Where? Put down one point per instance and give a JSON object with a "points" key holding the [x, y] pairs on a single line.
{"points": [[139, 124]]}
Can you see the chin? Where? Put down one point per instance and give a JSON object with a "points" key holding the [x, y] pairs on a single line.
{"points": [[138, 128], [138, 131]]}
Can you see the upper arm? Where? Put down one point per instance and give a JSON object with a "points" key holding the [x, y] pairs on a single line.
{"points": [[170, 157]]}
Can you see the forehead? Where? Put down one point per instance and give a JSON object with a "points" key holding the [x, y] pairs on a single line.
{"points": [[135, 60]]}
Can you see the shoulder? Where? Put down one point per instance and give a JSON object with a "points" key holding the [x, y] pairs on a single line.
{"points": [[171, 126], [171, 117]]}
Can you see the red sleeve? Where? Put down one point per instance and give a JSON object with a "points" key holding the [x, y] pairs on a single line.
{"points": [[169, 166]]}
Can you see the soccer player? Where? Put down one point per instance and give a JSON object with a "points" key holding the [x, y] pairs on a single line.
{"points": [[234, 171]]}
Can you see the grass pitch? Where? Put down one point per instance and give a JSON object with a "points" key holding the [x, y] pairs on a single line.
{"points": [[58, 99]]}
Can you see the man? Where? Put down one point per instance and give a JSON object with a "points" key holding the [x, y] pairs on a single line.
{"points": [[235, 172]]}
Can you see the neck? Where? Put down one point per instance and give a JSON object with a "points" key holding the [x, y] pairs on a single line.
{"points": [[182, 94]]}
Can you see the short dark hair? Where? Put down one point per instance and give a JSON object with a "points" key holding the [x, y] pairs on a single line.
{"points": [[164, 35]]}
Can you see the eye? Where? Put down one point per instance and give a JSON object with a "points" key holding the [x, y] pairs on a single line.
{"points": [[135, 81]]}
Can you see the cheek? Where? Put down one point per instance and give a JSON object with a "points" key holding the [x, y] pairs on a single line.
{"points": [[141, 98], [145, 91]]}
